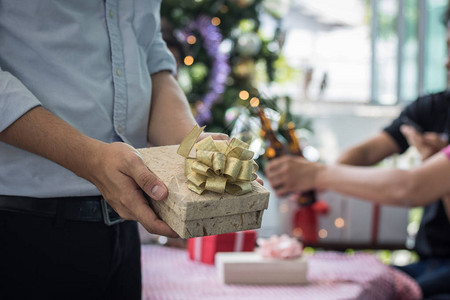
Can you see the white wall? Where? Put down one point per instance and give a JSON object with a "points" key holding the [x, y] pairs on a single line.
{"points": [[339, 126]]}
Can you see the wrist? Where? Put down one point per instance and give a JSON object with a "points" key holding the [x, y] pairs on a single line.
{"points": [[90, 159], [319, 175]]}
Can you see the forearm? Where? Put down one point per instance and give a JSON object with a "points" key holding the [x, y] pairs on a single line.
{"points": [[419, 186], [370, 152], [378, 185], [170, 117], [355, 156], [41, 132]]}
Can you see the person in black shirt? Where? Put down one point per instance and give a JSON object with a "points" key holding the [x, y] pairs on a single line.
{"points": [[421, 186], [429, 114]]}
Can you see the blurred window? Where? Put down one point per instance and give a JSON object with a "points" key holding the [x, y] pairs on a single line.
{"points": [[435, 51], [365, 51]]}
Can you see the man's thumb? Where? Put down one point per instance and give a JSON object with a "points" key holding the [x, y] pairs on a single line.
{"points": [[158, 191], [151, 184]]}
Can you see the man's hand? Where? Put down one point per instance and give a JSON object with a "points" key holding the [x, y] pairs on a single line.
{"points": [[427, 144], [116, 169], [289, 174], [123, 179]]}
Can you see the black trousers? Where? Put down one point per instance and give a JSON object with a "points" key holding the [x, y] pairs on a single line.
{"points": [[41, 258], [432, 275]]}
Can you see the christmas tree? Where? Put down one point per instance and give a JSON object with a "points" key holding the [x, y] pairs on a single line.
{"points": [[223, 54]]}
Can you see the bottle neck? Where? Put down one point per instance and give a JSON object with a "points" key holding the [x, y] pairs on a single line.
{"points": [[294, 146]]}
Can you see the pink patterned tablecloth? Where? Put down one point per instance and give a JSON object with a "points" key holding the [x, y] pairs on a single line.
{"points": [[168, 274]]}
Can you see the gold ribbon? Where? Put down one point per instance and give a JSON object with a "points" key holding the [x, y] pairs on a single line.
{"points": [[219, 166]]}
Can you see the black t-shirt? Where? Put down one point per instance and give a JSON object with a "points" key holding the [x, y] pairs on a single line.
{"points": [[432, 113]]}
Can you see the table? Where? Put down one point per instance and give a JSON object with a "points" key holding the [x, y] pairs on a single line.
{"points": [[168, 274]]}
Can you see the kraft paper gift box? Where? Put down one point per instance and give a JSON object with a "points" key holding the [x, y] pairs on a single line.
{"points": [[192, 215], [252, 268], [204, 249]]}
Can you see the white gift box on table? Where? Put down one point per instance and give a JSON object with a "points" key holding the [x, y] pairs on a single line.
{"points": [[252, 268]]}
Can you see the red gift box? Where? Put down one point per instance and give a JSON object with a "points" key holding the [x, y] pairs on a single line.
{"points": [[205, 248]]}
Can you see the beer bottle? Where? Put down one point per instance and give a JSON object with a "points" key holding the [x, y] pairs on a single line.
{"points": [[307, 197], [274, 148]]}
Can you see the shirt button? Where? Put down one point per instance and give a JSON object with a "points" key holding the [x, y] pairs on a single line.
{"points": [[117, 72], [119, 129], [111, 14]]}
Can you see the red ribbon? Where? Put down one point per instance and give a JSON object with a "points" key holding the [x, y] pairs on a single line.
{"points": [[375, 223]]}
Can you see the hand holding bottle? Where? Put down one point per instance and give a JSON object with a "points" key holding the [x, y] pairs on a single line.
{"points": [[290, 174]]}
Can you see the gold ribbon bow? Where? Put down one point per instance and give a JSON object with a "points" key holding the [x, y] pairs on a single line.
{"points": [[219, 166]]}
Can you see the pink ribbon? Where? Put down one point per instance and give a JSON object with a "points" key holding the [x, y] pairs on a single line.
{"points": [[239, 241], [280, 247], [198, 248]]}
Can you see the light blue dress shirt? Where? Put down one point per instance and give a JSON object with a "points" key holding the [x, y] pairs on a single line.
{"points": [[87, 61]]}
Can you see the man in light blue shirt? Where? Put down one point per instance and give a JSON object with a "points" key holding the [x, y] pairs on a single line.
{"points": [[82, 83]]}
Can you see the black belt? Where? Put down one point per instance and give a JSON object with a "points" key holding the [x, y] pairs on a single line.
{"points": [[89, 209]]}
